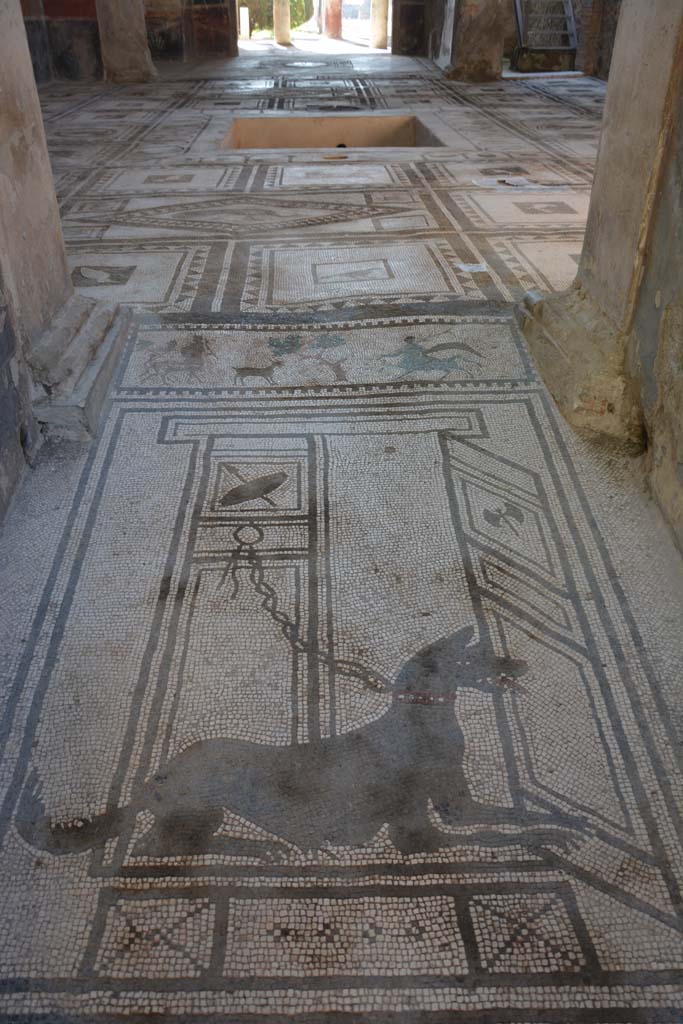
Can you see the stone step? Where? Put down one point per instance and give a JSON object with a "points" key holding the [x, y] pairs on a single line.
{"points": [[73, 405], [46, 354], [69, 346]]}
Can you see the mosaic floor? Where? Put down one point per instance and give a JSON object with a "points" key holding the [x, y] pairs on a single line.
{"points": [[341, 679]]}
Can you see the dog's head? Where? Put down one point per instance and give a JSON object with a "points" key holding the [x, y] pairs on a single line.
{"points": [[454, 661]]}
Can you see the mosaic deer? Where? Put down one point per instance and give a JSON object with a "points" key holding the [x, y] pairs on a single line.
{"points": [[404, 770], [266, 373]]}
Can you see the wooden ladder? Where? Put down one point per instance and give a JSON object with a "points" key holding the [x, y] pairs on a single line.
{"points": [[546, 25]]}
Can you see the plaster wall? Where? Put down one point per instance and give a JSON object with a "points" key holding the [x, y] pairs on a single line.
{"points": [[611, 348], [73, 38], [609, 11], [17, 429], [63, 38], [177, 29], [626, 174], [34, 281], [35, 24], [509, 26], [655, 350], [165, 34]]}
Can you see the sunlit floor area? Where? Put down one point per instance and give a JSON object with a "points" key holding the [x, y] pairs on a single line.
{"points": [[306, 41], [341, 678]]}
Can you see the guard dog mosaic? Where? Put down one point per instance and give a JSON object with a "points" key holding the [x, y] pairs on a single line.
{"points": [[335, 708], [352, 622]]}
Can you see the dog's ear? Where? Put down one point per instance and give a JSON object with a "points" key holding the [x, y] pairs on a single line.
{"points": [[459, 645], [465, 635]]}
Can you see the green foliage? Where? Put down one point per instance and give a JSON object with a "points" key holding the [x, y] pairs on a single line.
{"points": [[327, 341], [261, 13], [285, 345]]}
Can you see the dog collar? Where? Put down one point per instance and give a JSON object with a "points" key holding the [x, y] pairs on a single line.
{"points": [[424, 699]]}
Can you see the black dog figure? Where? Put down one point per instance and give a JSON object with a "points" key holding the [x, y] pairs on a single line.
{"points": [[404, 770]]}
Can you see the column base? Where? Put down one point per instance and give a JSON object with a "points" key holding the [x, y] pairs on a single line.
{"points": [[580, 354], [74, 363], [475, 71]]}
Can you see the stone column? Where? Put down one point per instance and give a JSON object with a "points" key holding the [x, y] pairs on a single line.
{"points": [[73, 38], [281, 22], [32, 251], [477, 41], [379, 21], [211, 28], [611, 347], [123, 39], [588, 25], [333, 19], [34, 279]]}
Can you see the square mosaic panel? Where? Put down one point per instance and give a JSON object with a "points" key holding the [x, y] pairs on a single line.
{"points": [[303, 277]]}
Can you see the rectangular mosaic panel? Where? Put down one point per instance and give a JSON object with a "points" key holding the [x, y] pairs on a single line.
{"points": [[324, 749]]}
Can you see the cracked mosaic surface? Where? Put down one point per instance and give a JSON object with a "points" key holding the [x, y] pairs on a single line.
{"points": [[336, 704]]}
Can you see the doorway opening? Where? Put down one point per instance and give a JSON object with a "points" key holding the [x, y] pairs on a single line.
{"points": [[319, 26]]}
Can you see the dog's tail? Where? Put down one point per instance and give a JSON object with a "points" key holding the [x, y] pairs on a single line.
{"points": [[75, 836]]}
